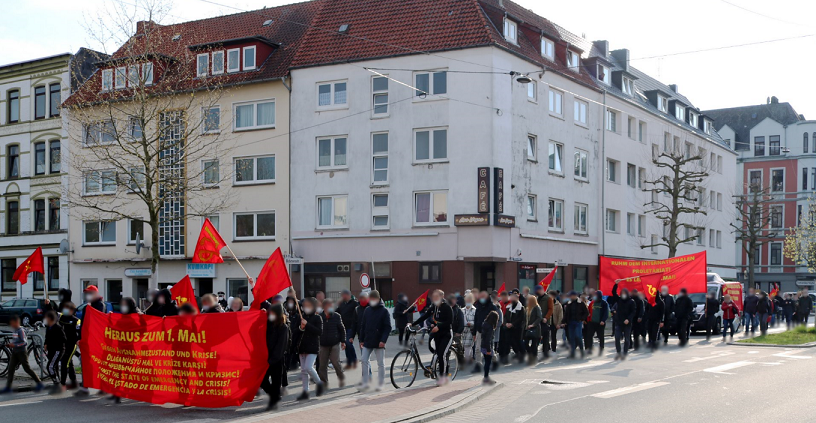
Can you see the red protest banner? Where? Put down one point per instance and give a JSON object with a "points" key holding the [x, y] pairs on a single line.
{"points": [[679, 272], [209, 360], [734, 289]]}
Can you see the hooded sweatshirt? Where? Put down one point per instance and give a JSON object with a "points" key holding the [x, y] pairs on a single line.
{"points": [[166, 309], [598, 310], [64, 297]]}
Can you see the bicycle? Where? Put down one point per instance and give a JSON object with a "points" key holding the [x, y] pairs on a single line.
{"points": [[35, 349], [406, 363]]}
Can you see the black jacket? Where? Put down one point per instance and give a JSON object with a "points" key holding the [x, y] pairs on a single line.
{"points": [[517, 318], [625, 310], [54, 338], [310, 335], [668, 307], [712, 306], [764, 306], [482, 310], [333, 330], [348, 312], [358, 318], [640, 309], [487, 337], [167, 309], [218, 309], [458, 319], [403, 314], [575, 312], [277, 342], [375, 326], [788, 306], [441, 317], [683, 307], [65, 296], [70, 325], [804, 305], [750, 304], [657, 312]]}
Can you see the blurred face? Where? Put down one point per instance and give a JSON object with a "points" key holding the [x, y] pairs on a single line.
{"points": [[328, 306], [207, 302], [514, 298], [15, 324], [320, 296], [236, 304], [49, 321], [436, 297], [526, 291], [751, 291], [124, 307], [664, 290], [346, 297]]}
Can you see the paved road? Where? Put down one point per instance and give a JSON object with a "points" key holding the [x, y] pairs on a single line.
{"points": [[723, 381]]}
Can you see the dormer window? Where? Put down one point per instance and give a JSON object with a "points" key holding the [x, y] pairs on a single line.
{"points": [[233, 60], [572, 60], [249, 58], [603, 74], [547, 48], [510, 31], [628, 86], [707, 126], [679, 112], [692, 119], [121, 77], [217, 62], [203, 64], [107, 79], [662, 104]]}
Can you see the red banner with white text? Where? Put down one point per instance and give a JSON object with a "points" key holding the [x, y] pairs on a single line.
{"points": [[209, 360], [678, 272]]}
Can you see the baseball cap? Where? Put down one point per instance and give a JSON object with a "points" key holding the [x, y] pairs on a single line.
{"points": [[91, 288], [571, 293]]}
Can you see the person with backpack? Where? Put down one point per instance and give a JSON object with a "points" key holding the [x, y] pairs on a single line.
{"points": [[596, 322]]}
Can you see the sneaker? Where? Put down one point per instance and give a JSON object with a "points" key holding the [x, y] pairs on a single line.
{"points": [[320, 389], [39, 387], [273, 406], [488, 381], [477, 368], [379, 388], [303, 397], [363, 387], [82, 392], [341, 383], [6, 390], [57, 389]]}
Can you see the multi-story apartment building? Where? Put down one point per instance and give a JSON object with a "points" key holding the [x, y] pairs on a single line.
{"points": [[498, 153], [233, 156], [31, 170], [777, 157]]}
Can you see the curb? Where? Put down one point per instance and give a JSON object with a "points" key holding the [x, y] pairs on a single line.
{"points": [[446, 408], [808, 345]]}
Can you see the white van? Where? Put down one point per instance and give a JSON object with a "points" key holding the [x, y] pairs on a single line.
{"points": [[714, 285]]}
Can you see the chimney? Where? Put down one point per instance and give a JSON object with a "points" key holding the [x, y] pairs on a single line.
{"points": [[774, 100], [501, 4], [603, 46], [622, 56], [142, 27], [673, 87]]}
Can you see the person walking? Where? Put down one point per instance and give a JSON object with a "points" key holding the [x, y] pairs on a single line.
{"points": [[458, 326], [277, 343], [54, 347], [712, 307], [483, 307], [70, 325], [804, 307], [730, 312], [403, 315], [575, 315], [331, 342], [512, 331], [440, 316], [596, 322], [94, 301], [347, 309], [311, 327], [375, 326], [788, 306], [557, 318], [624, 313], [545, 303], [655, 320], [532, 332], [683, 309], [19, 355], [669, 317], [764, 309], [640, 312], [749, 309], [488, 329], [469, 312]]}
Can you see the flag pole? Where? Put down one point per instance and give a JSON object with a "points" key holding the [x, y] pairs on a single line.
{"points": [[238, 261]]}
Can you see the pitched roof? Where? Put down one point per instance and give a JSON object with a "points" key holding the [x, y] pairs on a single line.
{"points": [[743, 119]]}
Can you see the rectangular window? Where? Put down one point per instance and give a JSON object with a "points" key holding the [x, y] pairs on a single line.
{"points": [[712, 238], [555, 213], [580, 218], [13, 106], [611, 220], [776, 254], [707, 126], [653, 244], [214, 219], [630, 224], [9, 266], [258, 225], [134, 78], [719, 239], [431, 83], [631, 175], [628, 86], [331, 153], [255, 115], [379, 154], [630, 127], [692, 119], [547, 49], [532, 92], [641, 225], [759, 146], [212, 120], [99, 232], [641, 131], [249, 58], [13, 161], [777, 219], [135, 129], [135, 229], [532, 208], [679, 112], [332, 212], [777, 180], [531, 147], [12, 217], [253, 170], [431, 145], [430, 272], [210, 173], [641, 177], [719, 201], [755, 180], [120, 77], [218, 62], [233, 60], [700, 236], [804, 178], [39, 158], [238, 288], [773, 145], [662, 104], [331, 94], [580, 112], [53, 273], [54, 214], [39, 102], [203, 64], [100, 182], [572, 60], [556, 98], [555, 154], [611, 121], [54, 99], [719, 164], [39, 215], [430, 208], [603, 74], [379, 90], [99, 133], [580, 165], [612, 170], [379, 211], [510, 31], [107, 79], [147, 73]]}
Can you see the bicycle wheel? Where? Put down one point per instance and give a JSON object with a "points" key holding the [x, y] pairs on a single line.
{"points": [[5, 356], [40, 358], [404, 369], [453, 364]]}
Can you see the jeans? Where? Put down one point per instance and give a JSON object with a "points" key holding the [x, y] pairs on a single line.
{"points": [[351, 353], [594, 328], [711, 321], [683, 331], [488, 360], [329, 354], [728, 324], [763, 322], [307, 370], [574, 334], [749, 319], [623, 332], [379, 353]]}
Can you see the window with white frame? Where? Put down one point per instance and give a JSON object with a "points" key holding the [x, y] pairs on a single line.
{"points": [[218, 62], [203, 64], [580, 218], [707, 126], [254, 170], [692, 119], [712, 238], [556, 100], [249, 57], [431, 83], [430, 208], [255, 115], [430, 145], [701, 236], [719, 239], [612, 220], [135, 128], [603, 74], [719, 164], [99, 182], [254, 225], [136, 178], [572, 60], [776, 254], [662, 104], [628, 86], [555, 215], [612, 170], [547, 48], [653, 244], [107, 79], [580, 165], [532, 208], [214, 219], [99, 233], [631, 175], [531, 147], [120, 77], [233, 60], [641, 131], [510, 31], [630, 127], [134, 76], [331, 152], [212, 120], [611, 121], [379, 211], [641, 177], [210, 173], [135, 229], [332, 211], [99, 133], [379, 90], [719, 201], [777, 180], [631, 222], [641, 225], [679, 112], [379, 154], [555, 155], [532, 93], [580, 112], [777, 220], [147, 73], [332, 94]]}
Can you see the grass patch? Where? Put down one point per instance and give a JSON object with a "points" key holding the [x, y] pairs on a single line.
{"points": [[797, 336]]}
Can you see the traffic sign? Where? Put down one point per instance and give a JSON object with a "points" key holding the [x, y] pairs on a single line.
{"points": [[365, 281]]}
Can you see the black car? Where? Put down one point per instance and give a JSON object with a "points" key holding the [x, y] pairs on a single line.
{"points": [[109, 307], [29, 310]]}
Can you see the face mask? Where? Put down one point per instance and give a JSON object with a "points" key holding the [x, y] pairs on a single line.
{"points": [[205, 307], [438, 303], [363, 302], [271, 317], [625, 297], [66, 312], [373, 303], [220, 298], [482, 300], [61, 298], [580, 300], [469, 304], [308, 310], [330, 309], [289, 306], [88, 298], [664, 292], [319, 310], [124, 309]]}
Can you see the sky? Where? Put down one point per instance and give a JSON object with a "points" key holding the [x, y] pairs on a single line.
{"points": [[718, 78]]}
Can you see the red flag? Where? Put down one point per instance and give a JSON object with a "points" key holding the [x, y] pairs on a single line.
{"points": [[648, 284], [422, 301], [548, 279], [182, 292], [209, 245], [273, 279], [502, 289], [34, 263]]}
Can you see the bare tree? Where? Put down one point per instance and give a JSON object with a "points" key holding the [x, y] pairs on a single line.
{"points": [[146, 135], [676, 182], [800, 241], [753, 226]]}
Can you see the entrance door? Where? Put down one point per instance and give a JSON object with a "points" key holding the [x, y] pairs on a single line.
{"points": [[384, 287], [487, 277], [114, 290], [140, 288], [315, 284], [203, 286]]}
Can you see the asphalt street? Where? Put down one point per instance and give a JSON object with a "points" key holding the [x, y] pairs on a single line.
{"points": [[712, 381]]}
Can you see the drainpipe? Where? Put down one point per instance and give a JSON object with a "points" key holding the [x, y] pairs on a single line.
{"points": [[603, 177]]}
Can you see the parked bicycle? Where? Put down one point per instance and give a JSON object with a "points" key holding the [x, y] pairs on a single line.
{"points": [[35, 349], [406, 363]]}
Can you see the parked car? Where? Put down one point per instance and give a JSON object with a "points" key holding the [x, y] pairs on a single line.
{"points": [[29, 310], [109, 308], [713, 285]]}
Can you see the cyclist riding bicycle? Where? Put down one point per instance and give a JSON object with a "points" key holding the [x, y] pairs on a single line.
{"points": [[441, 315]]}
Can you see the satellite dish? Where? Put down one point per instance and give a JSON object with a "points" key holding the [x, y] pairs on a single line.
{"points": [[64, 246], [138, 244]]}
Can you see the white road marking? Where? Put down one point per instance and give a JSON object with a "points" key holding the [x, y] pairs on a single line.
{"points": [[576, 366], [772, 363], [696, 359], [629, 389], [787, 354], [731, 366], [20, 403], [753, 352]]}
